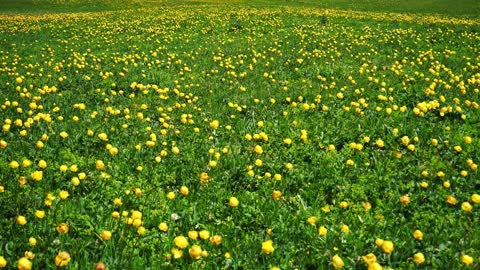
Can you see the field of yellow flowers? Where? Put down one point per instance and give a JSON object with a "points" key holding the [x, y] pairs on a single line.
{"points": [[236, 136]]}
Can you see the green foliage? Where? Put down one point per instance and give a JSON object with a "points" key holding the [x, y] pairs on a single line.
{"points": [[149, 120]]}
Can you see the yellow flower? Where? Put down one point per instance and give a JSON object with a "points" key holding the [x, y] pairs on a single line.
{"points": [[195, 252], [467, 207], [375, 266], [141, 230], [233, 202], [312, 220], [171, 195], [387, 246], [21, 220], [475, 198], [37, 175], [3, 144], [42, 164], [267, 247], [24, 264], [345, 228], [113, 151], [276, 194], [367, 206], [204, 234], [380, 143], [204, 177], [163, 227], [40, 214], [258, 149], [62, 228], [103, 136], [451, 200], [99, 165], [193, 235], [418, 235], [106, 235], [466, 259], [63, 194], [136, 214], [62, 259], [287, 141], [405, 199], [337, 262], [3, 262], [322, 231], [419, 258], [369, 258], [181, 241], [32, 241], [214, 124], [184, 190], [216, 240], [177, 253]]}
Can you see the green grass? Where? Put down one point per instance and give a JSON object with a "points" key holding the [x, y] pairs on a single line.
{"points": [[382, 111], [460, 8]]}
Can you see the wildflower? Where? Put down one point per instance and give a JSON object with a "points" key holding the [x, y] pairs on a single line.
{"points": [[418, 235], [276, 194], [216, 240], [369, 258], [466, 259], [62, 228], [21, 220], [475, 198], [163, 227], [312, 220], [214, 124], [267, 247], [204, 234], [380, 143], [337, 262], [24, 264], [106, 235], [322, 231], [387, 246], [37, 175], [184, 190], [204, 177], [40, 214], [177, 254], [64, 194], [62, 259], [193, 235], [195, 252], [3, 262], [451, 200], [181, 242], [405, 199], [233, 202], [467, 207], [419, 258]]}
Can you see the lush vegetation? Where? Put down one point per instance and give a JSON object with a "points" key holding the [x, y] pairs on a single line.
{"points": [[238, 135]]}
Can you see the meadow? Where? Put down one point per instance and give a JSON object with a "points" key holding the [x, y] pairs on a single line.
{"points": [[239, 135]]}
